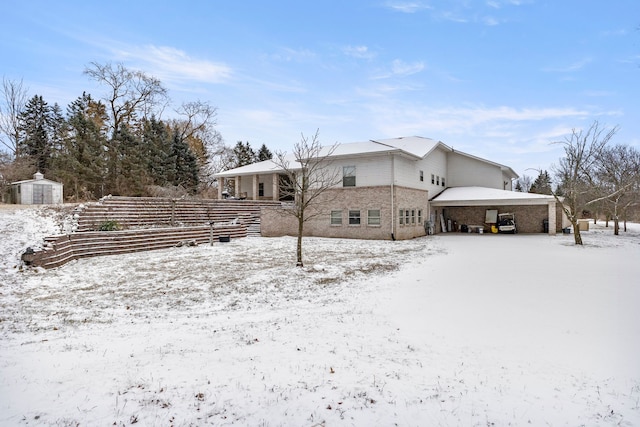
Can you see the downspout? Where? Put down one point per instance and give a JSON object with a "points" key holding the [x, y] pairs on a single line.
{"points": [[393, 208]]}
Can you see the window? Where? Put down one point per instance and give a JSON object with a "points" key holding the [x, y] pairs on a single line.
{"points": [[261, 189], [373, 217], [438, 180], [349, 176], [406, 216], [401, 217], [354, 217], [433, 179], [421, 176], [419, 216], [336, 217], [443, 181], [413, 217]]}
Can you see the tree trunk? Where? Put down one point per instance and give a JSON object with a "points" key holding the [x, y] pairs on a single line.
{"points": [[616, 226], [299, 245], [576, 233]]}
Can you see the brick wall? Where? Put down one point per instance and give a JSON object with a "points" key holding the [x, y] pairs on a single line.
{"points": [[275, 222], [529, 219]]}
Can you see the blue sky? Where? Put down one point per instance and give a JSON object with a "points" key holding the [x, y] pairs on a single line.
{"points": [[499, 79]]}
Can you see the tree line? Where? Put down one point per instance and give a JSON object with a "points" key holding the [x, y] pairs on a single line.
{"points": [[118, 144], [593, 179]]}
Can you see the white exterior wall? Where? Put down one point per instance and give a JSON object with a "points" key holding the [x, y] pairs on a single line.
{"points": [[466, 171], [370, 171]]}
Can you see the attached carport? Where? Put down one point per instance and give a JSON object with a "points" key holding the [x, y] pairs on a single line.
{"points": [[469, 205]]}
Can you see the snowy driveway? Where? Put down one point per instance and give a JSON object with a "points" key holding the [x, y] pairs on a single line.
{"points": [[447, 330]]}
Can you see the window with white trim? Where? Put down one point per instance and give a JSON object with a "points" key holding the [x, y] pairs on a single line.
{"points": [[413, 217], [373, 217], [354, 217], [443, 181], [348, 176], [433, 179], [421, 176], [401, 217], [336, 217], [419, 216]]}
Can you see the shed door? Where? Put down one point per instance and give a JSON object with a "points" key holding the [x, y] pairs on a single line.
{"points": [[42, 194]]}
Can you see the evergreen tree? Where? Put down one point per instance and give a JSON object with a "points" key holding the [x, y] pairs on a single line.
{"points": [[39, 129], [81, 161], [244, 154], [542, 184], [132, 178], [158, 151], [186, 165], [264, 153]]}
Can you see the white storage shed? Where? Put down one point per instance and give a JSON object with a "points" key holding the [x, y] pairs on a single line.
{"points": [[36, 191]]}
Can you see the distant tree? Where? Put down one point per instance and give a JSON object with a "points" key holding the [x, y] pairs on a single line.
{"points": [[12, 103], [576, 172], [542, 184], [244, 154], [81, 160], [132, 94], [132, 177], [132, 97], [307, 177], [264, 153], [197, 128], [39, 131], [157, 145], [618, 179], [523, 184], [186, 165]]}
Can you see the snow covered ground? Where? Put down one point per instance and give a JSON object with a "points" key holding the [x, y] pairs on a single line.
{"points": [[454, 329]]}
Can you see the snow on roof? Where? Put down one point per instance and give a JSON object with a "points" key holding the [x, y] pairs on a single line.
{"points": [[461, 196], [414, 146]]}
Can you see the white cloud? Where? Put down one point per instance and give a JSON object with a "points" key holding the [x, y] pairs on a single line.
{"points": [[360, 52], [575, 66], [171, 64], [401, 68], [407, 7]]}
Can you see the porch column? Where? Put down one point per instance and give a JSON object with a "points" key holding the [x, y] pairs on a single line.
{"points": [[552, 218], [220, 187], [238, 187], [276, 187], [255, 196]]}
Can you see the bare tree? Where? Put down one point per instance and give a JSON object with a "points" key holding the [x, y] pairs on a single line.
{"points": [[14, 99], [618, 177], [576, 172], [524, 183], [132, 94], [197, 128], [306, 179]]}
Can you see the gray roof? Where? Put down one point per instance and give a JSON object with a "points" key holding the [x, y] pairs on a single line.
{"points": [[416, 147]]}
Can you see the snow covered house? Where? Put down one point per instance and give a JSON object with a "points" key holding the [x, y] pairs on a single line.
{"points": [[398, 188], [36, 191]]}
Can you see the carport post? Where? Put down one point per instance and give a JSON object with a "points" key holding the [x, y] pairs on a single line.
{"points": [[552, 218]]}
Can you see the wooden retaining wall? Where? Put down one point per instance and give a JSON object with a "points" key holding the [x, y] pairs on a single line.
{"points": [[59, 250], [146, 223]]}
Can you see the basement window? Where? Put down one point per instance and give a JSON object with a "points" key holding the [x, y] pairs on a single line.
{"points": [[373, 217], [336, 217], [354, 217]]}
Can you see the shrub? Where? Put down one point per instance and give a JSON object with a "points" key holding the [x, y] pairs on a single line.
{"points": [[109, 226]]}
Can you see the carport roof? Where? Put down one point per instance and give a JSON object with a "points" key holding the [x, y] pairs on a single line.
{"points": [[483, 196]]}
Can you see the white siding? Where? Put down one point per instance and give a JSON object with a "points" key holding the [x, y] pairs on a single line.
{"points": [[467, 171], [370, 171]]}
